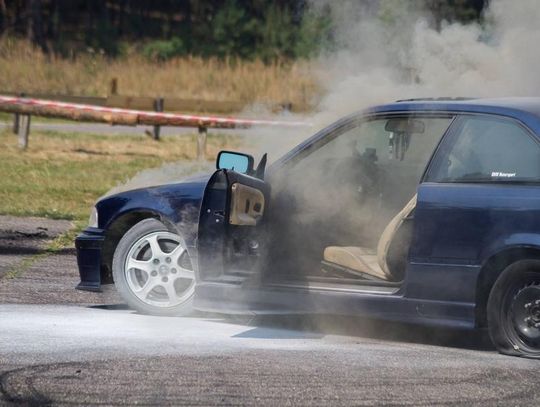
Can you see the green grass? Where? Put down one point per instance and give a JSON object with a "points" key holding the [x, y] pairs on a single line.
{"points": [[60, 189], [61, 175]]}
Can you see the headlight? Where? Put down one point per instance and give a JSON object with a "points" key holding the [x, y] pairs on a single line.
{"points": [[93, 221]]}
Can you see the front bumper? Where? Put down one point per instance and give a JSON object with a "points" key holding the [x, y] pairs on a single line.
{"points": [[89, 246]]}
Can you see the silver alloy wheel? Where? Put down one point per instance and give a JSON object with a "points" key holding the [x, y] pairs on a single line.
{"points": [[158, 270]]}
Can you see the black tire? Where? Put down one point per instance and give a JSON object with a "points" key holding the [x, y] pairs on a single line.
{"points": [[121, 272], [513, 310]]}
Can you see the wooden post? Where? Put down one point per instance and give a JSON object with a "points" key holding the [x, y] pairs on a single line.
{"points": [[201, 143], [158, 107], [286, 107], [24, 130], [16, 118], [114, 86]]}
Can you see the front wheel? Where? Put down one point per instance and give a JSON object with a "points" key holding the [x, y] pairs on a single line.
{"points": [[152, 270], [514, 310]]}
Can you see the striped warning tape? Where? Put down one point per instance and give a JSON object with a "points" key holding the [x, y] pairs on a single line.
{"points": [[74, 111]]}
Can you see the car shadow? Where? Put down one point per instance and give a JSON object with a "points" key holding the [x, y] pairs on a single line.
{"points": [[318, 326], [313, 327], [109, 307], [277, 333]]}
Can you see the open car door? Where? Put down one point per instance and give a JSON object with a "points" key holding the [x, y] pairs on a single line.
{"points": [[232, 228]]}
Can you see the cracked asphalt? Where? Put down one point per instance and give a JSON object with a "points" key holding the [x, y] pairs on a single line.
{"points": [[59, 346]]}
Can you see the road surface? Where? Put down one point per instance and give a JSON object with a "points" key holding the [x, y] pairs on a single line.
{"points": [[70, 354], [59, 346]]}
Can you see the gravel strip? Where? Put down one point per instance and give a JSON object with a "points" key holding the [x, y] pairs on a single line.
{"points": [[50, 278]]}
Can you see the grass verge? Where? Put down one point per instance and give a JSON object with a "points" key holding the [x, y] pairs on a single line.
{"points": [[61, 175]]}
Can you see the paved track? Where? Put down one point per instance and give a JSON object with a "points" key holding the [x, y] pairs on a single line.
{"points": [[69, 354], [79, 353]]}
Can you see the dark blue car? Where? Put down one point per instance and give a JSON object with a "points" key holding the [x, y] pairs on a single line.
{"points": [[420, 211]]}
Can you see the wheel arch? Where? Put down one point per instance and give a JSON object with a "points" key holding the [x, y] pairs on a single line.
{"points": [[116, 229], [492, 269]]}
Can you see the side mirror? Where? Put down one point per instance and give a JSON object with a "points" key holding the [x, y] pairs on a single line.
{"points": [[230, 160]]}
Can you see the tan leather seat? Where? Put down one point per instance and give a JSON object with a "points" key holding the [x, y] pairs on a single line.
{"points": [[366, 260]]}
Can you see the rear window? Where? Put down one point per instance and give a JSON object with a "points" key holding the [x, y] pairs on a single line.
{"points": [[488, 149]]}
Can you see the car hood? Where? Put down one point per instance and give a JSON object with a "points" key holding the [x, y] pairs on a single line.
{"points": [[198, 180]]}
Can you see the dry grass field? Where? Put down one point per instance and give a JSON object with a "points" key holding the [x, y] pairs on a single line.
{"points": [[24, 68]]}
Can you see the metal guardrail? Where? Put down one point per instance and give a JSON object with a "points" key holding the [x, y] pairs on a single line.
{"points": [[23, 108]]}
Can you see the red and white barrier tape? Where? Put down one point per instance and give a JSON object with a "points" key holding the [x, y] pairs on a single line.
{"points": [[50, 108]]}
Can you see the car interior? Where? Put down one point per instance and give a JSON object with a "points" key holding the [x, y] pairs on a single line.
{"points": [[343, 213], [365, 262]]}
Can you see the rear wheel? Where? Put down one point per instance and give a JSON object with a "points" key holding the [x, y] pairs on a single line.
{"points": [[514, 310], [152, 270]]}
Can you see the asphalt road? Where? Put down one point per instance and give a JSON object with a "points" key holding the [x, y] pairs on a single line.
{"points": [[62, 347], [69, 354]]}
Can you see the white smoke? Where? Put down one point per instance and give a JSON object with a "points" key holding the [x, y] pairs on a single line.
{"points": [[388, 50], [393, 52], [166, 174]]}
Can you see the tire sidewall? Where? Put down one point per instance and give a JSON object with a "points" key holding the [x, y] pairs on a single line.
{"points": [[508, 283], [141, 229]]}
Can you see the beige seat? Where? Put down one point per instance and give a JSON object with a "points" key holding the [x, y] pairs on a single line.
{"points": [[366, 260]]}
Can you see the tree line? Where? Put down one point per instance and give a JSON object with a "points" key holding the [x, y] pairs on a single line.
{"points": [[269, 30]]}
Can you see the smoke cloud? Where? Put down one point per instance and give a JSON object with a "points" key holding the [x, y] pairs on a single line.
{"points": [[389, 49], [392, 51], [168, 173]]}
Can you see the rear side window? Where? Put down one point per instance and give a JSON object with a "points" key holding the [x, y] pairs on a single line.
{"points": [[488, 149]]}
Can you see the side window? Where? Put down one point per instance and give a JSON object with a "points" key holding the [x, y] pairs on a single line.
{"points": [[372, 143], [487, 149], [368, 170]]}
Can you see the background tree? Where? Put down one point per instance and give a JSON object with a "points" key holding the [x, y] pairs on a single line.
{"points": [[270, 30]]}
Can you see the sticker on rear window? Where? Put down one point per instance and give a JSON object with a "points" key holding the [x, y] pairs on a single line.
{"points": [[499, 174]]}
